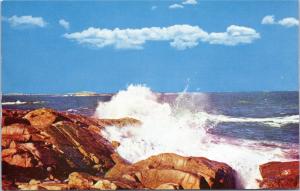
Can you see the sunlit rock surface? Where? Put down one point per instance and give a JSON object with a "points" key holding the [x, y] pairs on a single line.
{"points": [[174, 171]]}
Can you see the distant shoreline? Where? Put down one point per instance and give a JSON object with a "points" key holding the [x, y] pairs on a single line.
{"points": [[111, 94]]}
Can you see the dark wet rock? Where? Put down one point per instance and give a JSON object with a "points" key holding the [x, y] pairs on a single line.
{"points": [[13, 116], [8, 184]]}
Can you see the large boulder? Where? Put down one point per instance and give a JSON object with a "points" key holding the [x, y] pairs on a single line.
{"points": [[171, 170], [279, 175], [156, 178], [43, 142]]}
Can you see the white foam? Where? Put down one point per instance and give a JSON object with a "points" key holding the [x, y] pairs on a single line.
{"points": [[271, 121], [18, 102], [177, 129]]}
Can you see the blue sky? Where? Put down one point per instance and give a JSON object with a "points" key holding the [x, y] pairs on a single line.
{"points": [[85, 51]]}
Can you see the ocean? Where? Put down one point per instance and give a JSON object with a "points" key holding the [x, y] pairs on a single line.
{"points": [[243, 130]]}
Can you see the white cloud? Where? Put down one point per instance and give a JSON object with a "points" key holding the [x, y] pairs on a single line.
{"points": [[179, 36], [190, 2], [268, 20], [286, 22], [234, 35], [289, 22], [180, 6], [64, 24], [176, 6], [153, 7], [16, 21]]}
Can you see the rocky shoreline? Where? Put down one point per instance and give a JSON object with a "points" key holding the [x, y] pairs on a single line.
{"points": [[47, 149]]}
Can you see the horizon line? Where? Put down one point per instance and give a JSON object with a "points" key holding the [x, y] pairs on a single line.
{"points": [[90, 93]]}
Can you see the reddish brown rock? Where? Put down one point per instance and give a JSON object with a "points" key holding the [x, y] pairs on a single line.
{"points": [[81, 146], [155, 178], [44, 143], [13, 116], [7, 184], [84, 181], [99, 123], [17, 132], [20, 158], [168, 186], [184, 172], [115, 144], [38, 185], [280, 175], [126, 121], [81, 120], [41, 118], [118, 159], [105, 185], [49, 143]]}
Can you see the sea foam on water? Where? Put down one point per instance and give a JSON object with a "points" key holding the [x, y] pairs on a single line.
{"points": [[177, 129]]}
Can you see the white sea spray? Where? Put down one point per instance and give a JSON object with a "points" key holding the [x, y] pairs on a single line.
{"points": [[178, 129]]}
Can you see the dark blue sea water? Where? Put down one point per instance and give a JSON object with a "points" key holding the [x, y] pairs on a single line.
{"points": [[271, 116]]}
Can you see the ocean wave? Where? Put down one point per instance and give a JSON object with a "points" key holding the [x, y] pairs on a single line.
{"points": [[176, 129], [18, 102], [73, 110], [271, 121]]}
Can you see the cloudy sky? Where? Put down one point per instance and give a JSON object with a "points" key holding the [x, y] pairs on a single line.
{"points": [[102, 46]]}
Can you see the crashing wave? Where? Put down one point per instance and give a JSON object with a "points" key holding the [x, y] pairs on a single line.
{"points": [[176, 129]]}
